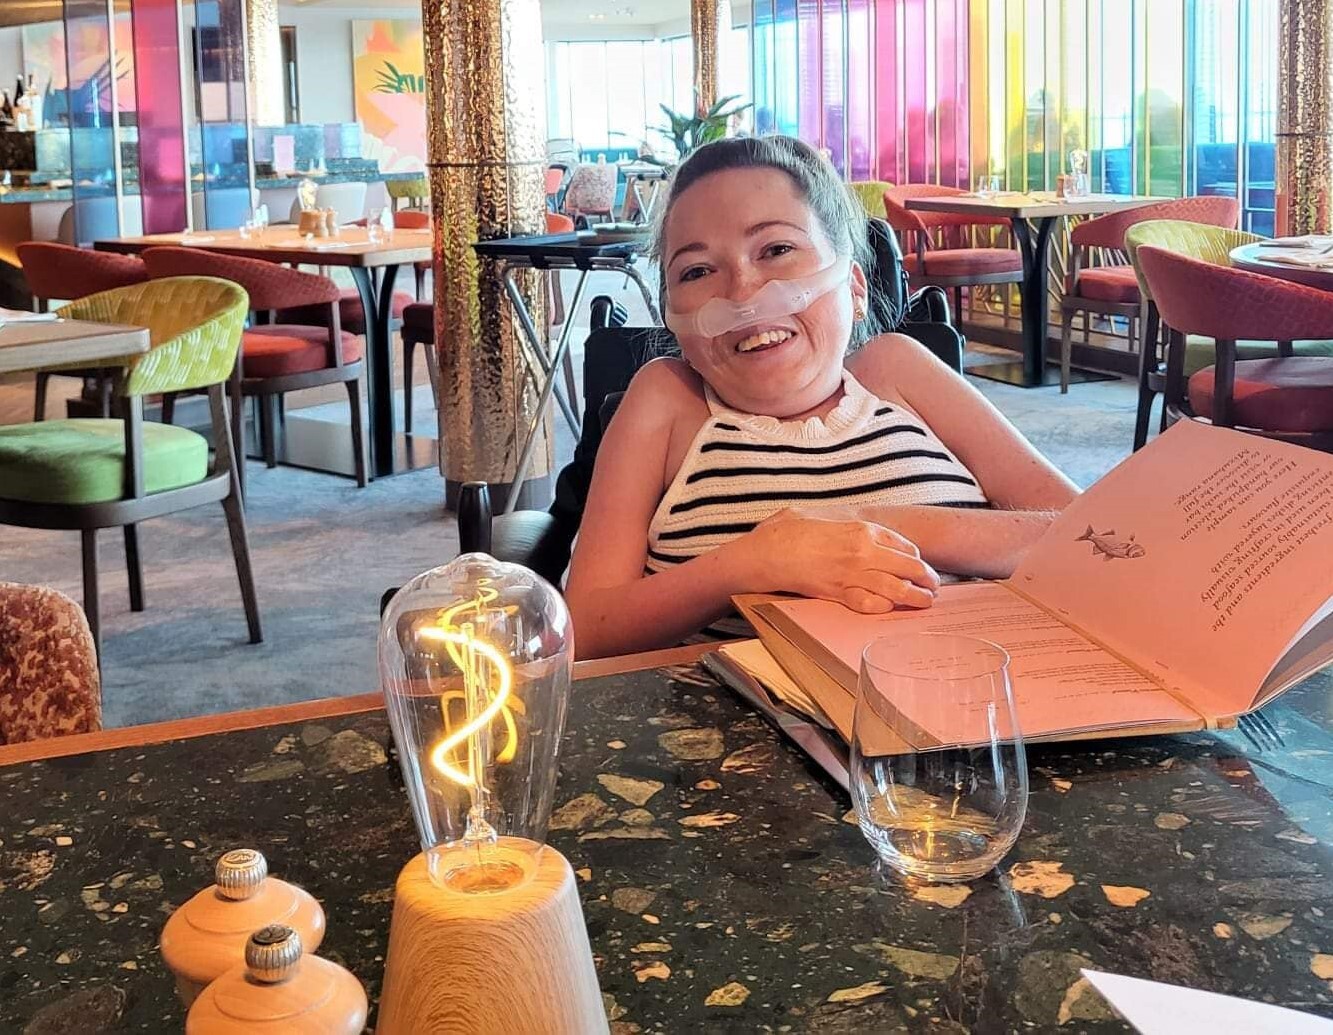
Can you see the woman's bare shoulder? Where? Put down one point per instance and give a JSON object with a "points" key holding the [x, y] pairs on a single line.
{"points": [[665, 390], [889, 363]]}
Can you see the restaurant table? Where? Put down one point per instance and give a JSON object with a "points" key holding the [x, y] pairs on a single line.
{"points": [[39, 344], [374, 268], [723, 880], [580, 251], [1251, 257], [1025, 212]]}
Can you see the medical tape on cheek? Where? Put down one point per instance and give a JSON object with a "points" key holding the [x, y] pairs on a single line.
{"points": [[776, 299]]}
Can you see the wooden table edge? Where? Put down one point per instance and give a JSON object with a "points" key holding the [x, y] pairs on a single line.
{"points": [[303, 711], [395, 256], [125, 339]]}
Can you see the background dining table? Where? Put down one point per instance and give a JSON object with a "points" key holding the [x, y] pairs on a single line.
{"points": [[373, 268], [1260, 257], [723, 879], [1029, 212], [40, 344]]}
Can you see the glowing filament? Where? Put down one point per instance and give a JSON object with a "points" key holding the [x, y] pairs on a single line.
{"points": [[466, 651]]}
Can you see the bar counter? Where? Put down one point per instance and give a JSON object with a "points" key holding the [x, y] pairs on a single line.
{"points": [[723, 883]]}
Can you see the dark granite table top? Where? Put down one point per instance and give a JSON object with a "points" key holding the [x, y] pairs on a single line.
{"points": [[723, 885]]}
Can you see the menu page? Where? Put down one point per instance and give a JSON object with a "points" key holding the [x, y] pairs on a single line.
{"points": [[1202, 558], [1062, 682]]}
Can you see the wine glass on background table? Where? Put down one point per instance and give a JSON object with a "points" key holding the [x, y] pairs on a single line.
{"points": [[938, 770]]}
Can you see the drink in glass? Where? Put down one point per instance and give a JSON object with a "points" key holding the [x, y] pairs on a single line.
{"points": [[938, 771]]}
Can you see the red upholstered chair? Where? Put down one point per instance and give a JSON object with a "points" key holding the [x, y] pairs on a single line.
{"points": [[1287, 397], [951, 265], [277, 358], [64, 272], [1112, 288]]}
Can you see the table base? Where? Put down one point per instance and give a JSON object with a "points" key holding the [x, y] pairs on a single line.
{"points": [[1014, 373], [326, 446]]}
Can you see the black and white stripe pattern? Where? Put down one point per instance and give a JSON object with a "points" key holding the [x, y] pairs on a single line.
{"points": [[742, 469]]}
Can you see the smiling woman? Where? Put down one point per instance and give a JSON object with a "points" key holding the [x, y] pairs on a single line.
{"points": [[773, 456]]}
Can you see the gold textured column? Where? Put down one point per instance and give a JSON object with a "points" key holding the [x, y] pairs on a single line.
{"points": [[1305, 117], [486, 128], [703, 30], [263, 63]]}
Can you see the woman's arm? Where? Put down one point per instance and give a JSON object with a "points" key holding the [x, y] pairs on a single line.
{"points": [[1026, 489], [615, 608]]}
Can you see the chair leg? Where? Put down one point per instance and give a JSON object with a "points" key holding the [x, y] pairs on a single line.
{"points": [[362, 458], [432, 372], [958, 308], [267, 444], [134, 567], [237, 407], [90, 608], [39, 400], [1066, 326], [1150, 323], [1285, 348], [104, 392], [240, 550], [409, 353], [169, 408]]}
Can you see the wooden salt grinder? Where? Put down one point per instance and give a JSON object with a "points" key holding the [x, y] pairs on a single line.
{"points": [[279, 989], [207, 935]]}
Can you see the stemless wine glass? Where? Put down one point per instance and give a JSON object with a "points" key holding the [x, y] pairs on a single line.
{"points": [[938, 772], [987, 186]]}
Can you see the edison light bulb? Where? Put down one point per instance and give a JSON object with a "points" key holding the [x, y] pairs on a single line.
{"points": [[475, 659]]}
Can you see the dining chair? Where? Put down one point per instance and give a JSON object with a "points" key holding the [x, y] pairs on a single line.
{"points": [[348, 201], [91, 474], [49, 683], [870, 193], [277, 358], [1101, 280], [948, 265], [61, 271], [1287, 397], [415, 191], [1208, 244], [591, 191]]}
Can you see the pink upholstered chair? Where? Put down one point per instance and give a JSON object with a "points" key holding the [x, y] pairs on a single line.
{"points": [[1287, 397], [64, 272], [952, 265], [277, 358], [49, 683], [592, 191], [1112, 289]]}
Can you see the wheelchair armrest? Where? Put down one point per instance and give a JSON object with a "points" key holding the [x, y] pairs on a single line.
{"points": [[929, 305]]}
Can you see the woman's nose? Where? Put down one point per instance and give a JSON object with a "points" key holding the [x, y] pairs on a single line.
{"points": [[743, 282]]}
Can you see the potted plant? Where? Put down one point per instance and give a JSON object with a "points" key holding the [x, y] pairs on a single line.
{"points": [[687, 132]]}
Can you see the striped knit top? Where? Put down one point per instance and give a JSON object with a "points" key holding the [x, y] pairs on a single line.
{"points": [[742, 468]]}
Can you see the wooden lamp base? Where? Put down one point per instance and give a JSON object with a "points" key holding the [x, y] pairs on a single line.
{"points": [[491, 961]]}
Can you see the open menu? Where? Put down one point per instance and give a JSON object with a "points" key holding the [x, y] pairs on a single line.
{"points": [[1190, 585]]}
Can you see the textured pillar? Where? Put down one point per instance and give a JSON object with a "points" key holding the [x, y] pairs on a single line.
{"points": [[263, 61], [704, 19], [1305, 117], [486, 132]]}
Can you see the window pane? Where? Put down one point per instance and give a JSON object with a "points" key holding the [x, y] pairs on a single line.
{"points": [[587, 77]]}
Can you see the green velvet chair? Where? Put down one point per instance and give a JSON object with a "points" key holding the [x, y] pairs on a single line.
{"points": [[1207, 244], [97, 473]]}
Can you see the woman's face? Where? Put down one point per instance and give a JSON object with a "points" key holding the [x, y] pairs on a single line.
{"points": [[726, 236]]}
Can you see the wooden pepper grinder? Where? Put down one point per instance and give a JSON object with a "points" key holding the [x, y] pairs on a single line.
{"points": [[279, 989], [207, 935]]}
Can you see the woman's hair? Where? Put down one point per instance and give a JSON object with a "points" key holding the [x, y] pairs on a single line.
{"points": [[818, 183]]}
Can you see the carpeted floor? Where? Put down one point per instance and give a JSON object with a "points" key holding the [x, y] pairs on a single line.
{"points": [[325, 550]]}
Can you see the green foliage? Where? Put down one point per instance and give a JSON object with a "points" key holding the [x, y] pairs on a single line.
{"points": [[393, 81], [687, 132]]}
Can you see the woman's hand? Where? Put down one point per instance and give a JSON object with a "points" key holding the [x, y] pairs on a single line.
{"points": [[823, 553]]}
